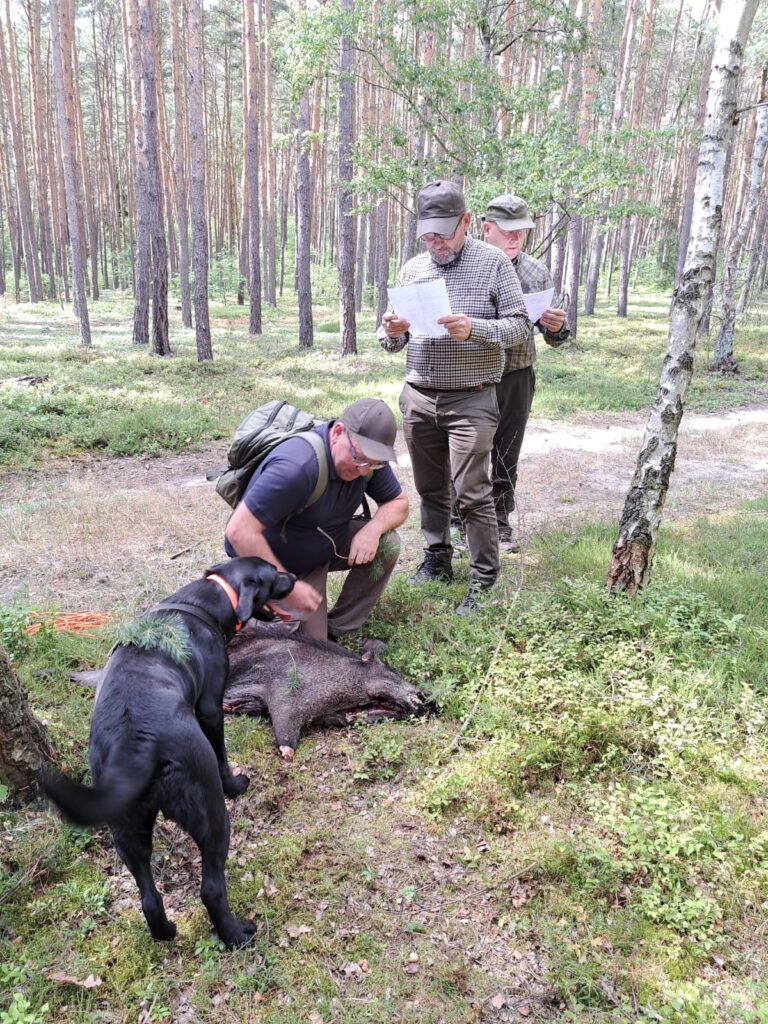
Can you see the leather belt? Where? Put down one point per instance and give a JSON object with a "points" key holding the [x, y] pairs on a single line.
{"points": [[451, 391]]}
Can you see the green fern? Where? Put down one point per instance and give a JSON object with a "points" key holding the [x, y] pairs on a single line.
{"points": [[165, 633]]}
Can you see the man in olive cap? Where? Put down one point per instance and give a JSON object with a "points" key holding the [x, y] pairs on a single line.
{"points": [[276, 520], [449, 406], [505, 226]]}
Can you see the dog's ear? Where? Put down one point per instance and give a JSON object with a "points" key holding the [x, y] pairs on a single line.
{"points": [[254, 592]]}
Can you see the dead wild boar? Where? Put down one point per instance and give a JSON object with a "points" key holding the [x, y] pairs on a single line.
{"points": [[298, 682]]}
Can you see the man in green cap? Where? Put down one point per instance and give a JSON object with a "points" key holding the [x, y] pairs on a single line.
{"points": [[449, 405], [505, 226]]}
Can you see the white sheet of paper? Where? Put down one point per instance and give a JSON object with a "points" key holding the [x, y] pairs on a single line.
{"points": [[537, 303], [421, 305]]}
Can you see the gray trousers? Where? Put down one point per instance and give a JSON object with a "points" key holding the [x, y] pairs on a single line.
{"points": [[361, 590], [449, 436]]}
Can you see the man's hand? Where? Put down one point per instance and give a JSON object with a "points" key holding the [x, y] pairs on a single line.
{"points": [[552, 320], [394, 326], [302, 598], [458, 326], [365, 544]]}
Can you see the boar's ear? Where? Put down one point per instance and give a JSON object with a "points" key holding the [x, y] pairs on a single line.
{"points": [[254, 593]]}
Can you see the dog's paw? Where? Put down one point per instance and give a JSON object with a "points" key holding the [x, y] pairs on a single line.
{"points": [[164, 932], [236, 785], [240, 933]]}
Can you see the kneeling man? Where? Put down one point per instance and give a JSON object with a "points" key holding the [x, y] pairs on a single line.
{"points": [[274, 521]]}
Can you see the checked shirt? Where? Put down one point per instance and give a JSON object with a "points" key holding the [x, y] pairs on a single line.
{"points": [[534, 277], [482, 285]]}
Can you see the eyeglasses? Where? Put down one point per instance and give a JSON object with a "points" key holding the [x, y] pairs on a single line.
{"points": [[433, 236], [358, 458]]}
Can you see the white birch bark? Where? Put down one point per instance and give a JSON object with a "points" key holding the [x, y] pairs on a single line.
{"points": [[634, 549]]}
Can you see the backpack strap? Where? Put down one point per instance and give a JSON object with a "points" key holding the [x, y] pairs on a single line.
{"points": [[318, 444]]}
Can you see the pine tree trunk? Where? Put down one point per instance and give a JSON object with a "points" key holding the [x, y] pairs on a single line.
{"points": [[304, 227], [634, 549], [346, 219], [593, 269], [61, 34], [758, 245], [575, 230], [197, 197], [159, 249], [141, 267], [252, 159], [724, 360], [179, 164], [24, 745]]}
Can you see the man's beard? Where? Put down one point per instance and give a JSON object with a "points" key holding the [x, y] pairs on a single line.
{"points": [[443, 259]]}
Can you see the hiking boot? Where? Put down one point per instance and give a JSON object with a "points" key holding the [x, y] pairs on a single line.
{"points": [[507, 541], [432, 568], [473, 598]]}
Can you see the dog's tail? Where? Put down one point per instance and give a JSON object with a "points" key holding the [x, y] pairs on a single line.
{"points": [[87, 806]]}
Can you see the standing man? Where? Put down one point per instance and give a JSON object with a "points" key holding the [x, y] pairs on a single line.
{"points": [[505, 225], [274, 520], [449, 406]]}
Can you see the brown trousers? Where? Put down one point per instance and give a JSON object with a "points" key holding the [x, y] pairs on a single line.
{"points": [[449, 436], [360, 591]]}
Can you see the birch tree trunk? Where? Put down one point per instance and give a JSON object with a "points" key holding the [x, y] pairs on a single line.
{"points": [[723, 360], [346, 219], [61, 30], [197, 199], [159, 248], [635, 547], [758, 242]]}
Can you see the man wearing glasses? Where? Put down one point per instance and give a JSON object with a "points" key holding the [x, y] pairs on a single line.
{"points": [[274, 520], [505, 225], [449, 405]]}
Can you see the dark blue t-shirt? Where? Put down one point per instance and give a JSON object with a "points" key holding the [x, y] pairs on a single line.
{"points": [[283, 484]]}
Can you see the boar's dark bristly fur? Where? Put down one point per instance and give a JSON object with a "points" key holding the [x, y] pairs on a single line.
{"points": [[298, 681]]}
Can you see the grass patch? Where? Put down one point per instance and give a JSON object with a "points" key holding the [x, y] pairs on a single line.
{"points": [[593, 792]]}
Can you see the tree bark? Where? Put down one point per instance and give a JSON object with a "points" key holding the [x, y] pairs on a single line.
{"points": [[159, 248], [252, 176], [179, 164], [9, 81], [724, 360], [346, 221], [24, 744], [635, 547], [197, 195], [61, 32], [304, 227], [141, 266]]}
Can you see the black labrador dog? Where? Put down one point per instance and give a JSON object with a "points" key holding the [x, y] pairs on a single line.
{"points": [[157, 738]]}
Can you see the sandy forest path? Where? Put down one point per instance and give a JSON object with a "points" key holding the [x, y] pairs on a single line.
{"points": [[96, 534]]}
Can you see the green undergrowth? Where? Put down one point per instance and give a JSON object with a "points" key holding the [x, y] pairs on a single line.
{"points": [[577, 828], [117, 399]]}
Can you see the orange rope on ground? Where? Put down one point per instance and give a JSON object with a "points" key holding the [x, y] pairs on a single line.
{"points": [[75, 622]]}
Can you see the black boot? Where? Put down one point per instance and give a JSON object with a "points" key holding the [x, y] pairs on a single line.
{"points": [[434, 567]]}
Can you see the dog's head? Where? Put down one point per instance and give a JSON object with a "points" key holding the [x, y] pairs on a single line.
{"points": [[256, 583]]}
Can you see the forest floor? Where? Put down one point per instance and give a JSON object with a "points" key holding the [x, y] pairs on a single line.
{"points": [[138, 519]]}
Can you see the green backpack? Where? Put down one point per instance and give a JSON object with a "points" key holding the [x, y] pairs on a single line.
{"points": [[261, 431]]}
